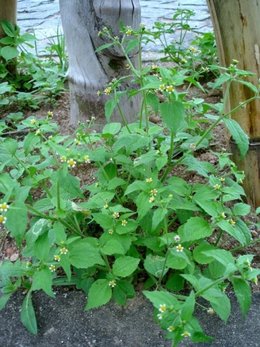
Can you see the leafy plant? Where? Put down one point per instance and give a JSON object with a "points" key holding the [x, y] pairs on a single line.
{"points": [[29, 80], [138, 218]]}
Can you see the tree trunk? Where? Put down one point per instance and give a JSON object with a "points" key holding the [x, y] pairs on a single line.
{"points": [[89, 71], [8, 12], [237, 27]]}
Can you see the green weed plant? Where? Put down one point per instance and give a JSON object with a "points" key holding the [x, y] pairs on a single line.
{"points": [[137, 218]]}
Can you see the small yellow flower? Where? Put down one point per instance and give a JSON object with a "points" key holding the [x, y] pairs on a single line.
{"points": [[33, 121], [217, 186], [38, 132], [154, 192], [63, 159], [162, 87], [116, 215], [124, 223], [71, 163], [77, 141], [192, 146], [106, 205], [4, 207], [223, 215], [129, 31], [112, 283], [87, 159], [149, 180], [52, 268], [151, 199], [222, 179], [108, 90], [111, 231], [2, 219], [186, 334], [50, 114], [184, 61], [64, 250], [159, 316], [162, 308], [169, 89], [171, 328], [179, 248], [193, 49], [56, 258], [154, 67], [232, 221]]}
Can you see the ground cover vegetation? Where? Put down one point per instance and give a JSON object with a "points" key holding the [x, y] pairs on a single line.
{"points": [[139, 224]]}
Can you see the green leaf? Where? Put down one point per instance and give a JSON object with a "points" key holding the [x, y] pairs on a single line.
{"points": [[222, 256], [199, 253], [155, 265], [158, 217], [196, 228], [135, 186], [219, 302], [233, 230], [125, 266], [42, 279], [17, 221], [158, 298], [4, 299], [188, 307], [243, 294], [8, 28], [41, 247], [28, 315], [238, 135], [173, 115], [9, 53], [104, 220], [241, 209], [99, 294], [98, 200], [82, 254], [111, 128], [110, 106], [177, 260]]}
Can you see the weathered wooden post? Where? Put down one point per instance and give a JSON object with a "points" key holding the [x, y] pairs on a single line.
{"points": [[8, 9], [89, 71], [237, 28]]}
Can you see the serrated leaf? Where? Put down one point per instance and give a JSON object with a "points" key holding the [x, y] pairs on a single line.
{"points": [[188, 307], [111, 128], [158, 217], [196, 228], [158, 298], [243, 294], [82, 254], [17, 212], [238, 135], [233, 230], [42, 279], [155, 265], [99, 294], [199, 253], [135, 186], [125, 266], [110, 106], [4, 299], [173, 115], [28, 315]]}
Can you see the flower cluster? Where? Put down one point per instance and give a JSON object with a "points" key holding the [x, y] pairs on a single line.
{"points": [[3, 208]]}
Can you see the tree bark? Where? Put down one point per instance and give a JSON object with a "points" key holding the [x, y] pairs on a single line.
{"points": [[89, 71], [237, 27], [8, 9]]}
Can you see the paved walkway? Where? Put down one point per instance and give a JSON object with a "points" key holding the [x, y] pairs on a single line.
{"points": [[63, 323], [42, 16]]}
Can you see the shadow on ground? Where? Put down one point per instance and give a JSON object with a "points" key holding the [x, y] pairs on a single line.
{"points": [[63, 322]]}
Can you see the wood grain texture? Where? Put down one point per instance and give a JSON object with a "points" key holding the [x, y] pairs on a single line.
{"points": [[237, 28], [90, 71]]}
